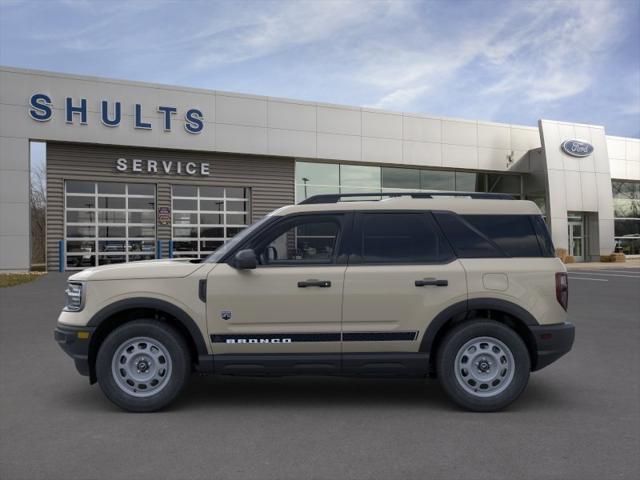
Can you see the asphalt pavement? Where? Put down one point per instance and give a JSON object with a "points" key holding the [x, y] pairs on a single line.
{"points": [[578, 418]]}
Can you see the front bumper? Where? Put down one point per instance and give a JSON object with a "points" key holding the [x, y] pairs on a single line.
{"points": [[75, 343], [552, 342]]}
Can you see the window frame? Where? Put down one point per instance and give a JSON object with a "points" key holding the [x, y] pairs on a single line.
{"points": [[356, 257]]}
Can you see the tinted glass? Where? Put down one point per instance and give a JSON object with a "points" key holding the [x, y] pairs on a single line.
{"points": [[81, 202], [80, 216], [437, 180], [142, 203], [544, 236], [469, 182], [75, 186], [400, 178], [306, 242], [317, 174], [512, 233], [231, 192], [211, 205], [627, 228], [141, 217], [623, 208], [466, 242], [185, 204], [111, 217], [111, 202], [112, 188], [211, 192], [503, 183], [361, 177], [621, 189], [402, 238], [184, 191], [142, 189]]}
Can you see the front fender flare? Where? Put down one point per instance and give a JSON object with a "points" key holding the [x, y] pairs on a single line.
{"points": [[155, 304]]}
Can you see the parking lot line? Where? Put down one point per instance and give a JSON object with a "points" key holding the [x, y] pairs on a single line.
{"points": [[604, 274], [606, 270], [592, 279]]}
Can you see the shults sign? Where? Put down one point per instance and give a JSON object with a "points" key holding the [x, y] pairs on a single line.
{"points": [[41, 109]]}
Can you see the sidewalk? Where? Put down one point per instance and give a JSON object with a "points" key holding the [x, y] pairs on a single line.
{"points": [[630, 263]]}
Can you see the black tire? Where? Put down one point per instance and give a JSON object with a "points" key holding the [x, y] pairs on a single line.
{"points": [[174, 345], [452, 344]]}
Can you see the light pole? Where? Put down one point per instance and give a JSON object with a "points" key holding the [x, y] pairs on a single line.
{"points": [[305, 180]]}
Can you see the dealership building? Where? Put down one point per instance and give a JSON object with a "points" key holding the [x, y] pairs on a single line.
{"points": [[137, 170]]}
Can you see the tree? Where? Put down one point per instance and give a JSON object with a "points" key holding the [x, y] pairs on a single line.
{"points": [[38, 212]]}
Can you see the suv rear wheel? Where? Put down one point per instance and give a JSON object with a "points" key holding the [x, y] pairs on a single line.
{"points": [[483, 365], [143, 365]]}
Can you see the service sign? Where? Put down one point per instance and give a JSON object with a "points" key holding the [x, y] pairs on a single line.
{"points": [[162, 167], [577, 148]]}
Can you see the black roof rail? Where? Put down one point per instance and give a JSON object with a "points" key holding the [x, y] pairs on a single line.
{"points": [[337, 197]]}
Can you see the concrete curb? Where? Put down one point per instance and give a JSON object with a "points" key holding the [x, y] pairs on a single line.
{"points": [[630, 263]]}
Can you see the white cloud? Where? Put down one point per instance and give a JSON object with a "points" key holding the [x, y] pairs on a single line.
{"points": [[286, 25], [550, 59], [542, 52]]}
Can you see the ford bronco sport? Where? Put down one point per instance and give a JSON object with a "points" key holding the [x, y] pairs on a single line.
{"points": [[462, 287]]}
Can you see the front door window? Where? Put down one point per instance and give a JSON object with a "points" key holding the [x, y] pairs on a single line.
{"points": [[309, 242]]}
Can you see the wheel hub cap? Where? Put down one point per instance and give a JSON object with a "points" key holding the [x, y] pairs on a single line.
{"points": [[141, 366], [484, 366]]}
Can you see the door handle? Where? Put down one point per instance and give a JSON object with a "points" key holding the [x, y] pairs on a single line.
{"points": [[314, 283], [432, 281]]}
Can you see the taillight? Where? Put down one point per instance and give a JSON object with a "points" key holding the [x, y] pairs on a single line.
{"points": [[562, 289]]}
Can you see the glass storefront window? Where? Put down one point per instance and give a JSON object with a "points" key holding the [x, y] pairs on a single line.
{"points": [[625, 189], [468, 182], [358, 178], [437, 180], [324, 174], [503, 183], [318, 178], [400, 178], [626, 210]]}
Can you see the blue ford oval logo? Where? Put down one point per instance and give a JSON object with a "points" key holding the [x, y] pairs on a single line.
{"points": [[577, 148]]}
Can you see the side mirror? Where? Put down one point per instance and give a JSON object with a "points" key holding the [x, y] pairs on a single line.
{"points": [[245, 260]]}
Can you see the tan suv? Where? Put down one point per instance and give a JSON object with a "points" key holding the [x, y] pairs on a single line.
{"points": [[463, 287]]}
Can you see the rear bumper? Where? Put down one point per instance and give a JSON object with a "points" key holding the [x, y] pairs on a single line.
{"points": [[75, 343], [552, 342]]}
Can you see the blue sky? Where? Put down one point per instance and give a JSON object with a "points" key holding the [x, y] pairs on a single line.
{"points": [[512, 62]]}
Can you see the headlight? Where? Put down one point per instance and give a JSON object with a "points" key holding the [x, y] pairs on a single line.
{"points": [[74, 297]]}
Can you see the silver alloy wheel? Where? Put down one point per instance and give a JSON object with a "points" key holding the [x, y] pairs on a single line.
{"points": [[141, 366], [484, 367]]}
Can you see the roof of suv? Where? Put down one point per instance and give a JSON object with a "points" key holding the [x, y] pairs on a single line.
{"points": [[461, 205]]}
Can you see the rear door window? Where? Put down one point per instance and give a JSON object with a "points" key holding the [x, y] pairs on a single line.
{"points": [[403, 238]]}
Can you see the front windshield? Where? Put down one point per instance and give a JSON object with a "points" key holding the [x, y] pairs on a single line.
{"points": [[223, 249]]}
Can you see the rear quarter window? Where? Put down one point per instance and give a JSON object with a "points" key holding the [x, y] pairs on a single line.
{"points": [[466, 240], [513, 234]]}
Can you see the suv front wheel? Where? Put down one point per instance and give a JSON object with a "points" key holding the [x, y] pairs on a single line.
{"points": [[143, 365], [483, 365]]}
